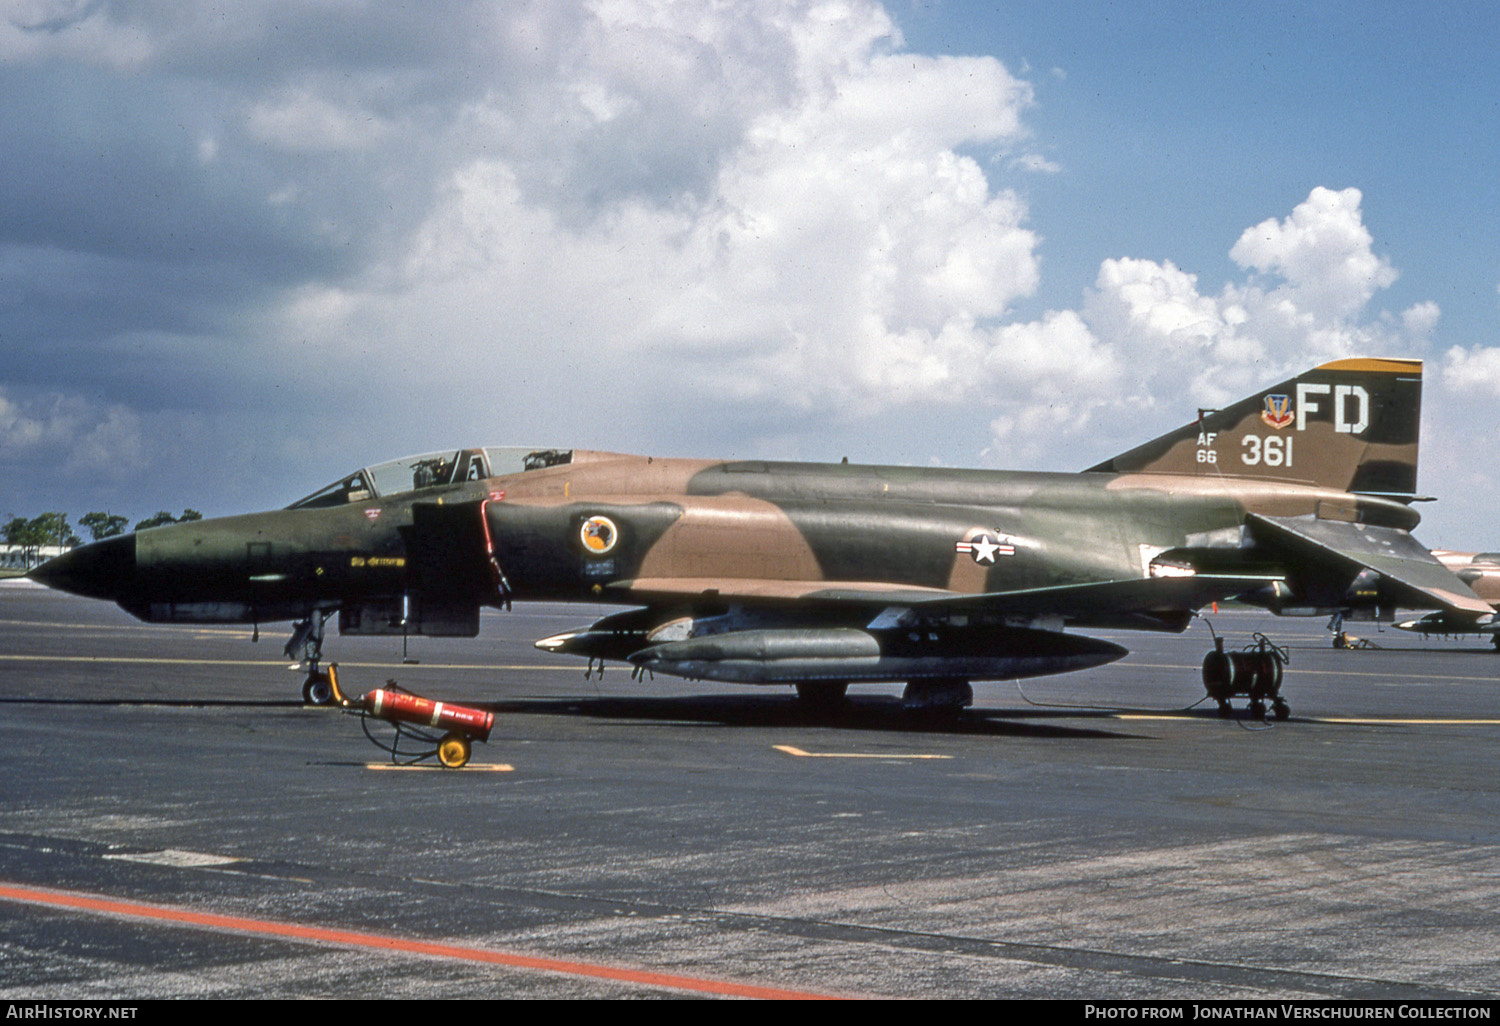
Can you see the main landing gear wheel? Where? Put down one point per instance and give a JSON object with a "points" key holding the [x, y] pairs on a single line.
{"points": [[453, 751]]}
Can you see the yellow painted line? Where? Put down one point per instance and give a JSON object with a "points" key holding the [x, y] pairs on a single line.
{"points": [[214, 630], [164, 661], [1292, 673], [1398, 722], [496, 767], [1388, 721], [155, 660], [799, 753]]}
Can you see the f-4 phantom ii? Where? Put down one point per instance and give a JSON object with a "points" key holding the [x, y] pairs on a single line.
{"points": [[821, 576], [1481, 572]]}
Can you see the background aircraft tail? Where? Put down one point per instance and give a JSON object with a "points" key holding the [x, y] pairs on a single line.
{"points": [[1350, 424]]}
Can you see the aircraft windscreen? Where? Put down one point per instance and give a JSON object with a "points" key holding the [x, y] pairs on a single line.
{"points": [[432, 470], [517, 459]]}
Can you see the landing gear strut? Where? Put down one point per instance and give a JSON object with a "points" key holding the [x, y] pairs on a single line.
{"points": [[1256, 673], [1336, 628], [1343, 639], [307, 639]]}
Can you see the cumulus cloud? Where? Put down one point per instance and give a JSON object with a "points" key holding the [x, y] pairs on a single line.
{"points": [[81, 29], [357, 227], [766, 210], [1306, 299], [1476, 369], [1322, 253], [68, 434]]}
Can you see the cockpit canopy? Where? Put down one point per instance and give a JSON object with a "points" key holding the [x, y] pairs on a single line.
{"points": [[432, 470]]}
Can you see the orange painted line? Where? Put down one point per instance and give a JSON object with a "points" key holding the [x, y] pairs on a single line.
{"points": [[385, 942]]}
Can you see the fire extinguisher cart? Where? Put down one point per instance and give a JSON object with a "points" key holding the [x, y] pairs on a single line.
{"points": [[423, 729]]}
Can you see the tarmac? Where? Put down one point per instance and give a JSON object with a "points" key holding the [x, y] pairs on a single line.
{"points": [[175, 823]]}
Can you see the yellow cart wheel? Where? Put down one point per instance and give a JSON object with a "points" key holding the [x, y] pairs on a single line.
{"points": [[453, 751]]}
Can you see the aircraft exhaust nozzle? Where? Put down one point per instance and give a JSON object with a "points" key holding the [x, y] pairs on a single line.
{"points": [[791, 656]]}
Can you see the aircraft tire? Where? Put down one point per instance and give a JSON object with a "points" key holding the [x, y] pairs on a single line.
{"points": [[317, 690]]}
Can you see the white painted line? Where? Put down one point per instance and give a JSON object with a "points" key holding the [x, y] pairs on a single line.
{"points": [[799, 753], [176, 858]]}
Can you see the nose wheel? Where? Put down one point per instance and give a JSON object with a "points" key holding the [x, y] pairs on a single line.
{"points": [[317, 689]]}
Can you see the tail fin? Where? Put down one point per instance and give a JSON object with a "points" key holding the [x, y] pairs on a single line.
{"points": [[1351, 424]]}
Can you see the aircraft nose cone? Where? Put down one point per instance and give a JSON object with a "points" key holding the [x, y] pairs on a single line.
{"points": [[104, 569]]}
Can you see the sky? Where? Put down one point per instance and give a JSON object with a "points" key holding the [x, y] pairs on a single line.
{"points": [[246, 247]]}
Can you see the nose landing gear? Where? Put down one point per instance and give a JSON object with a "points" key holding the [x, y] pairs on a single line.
{"points": [[306, 645]]}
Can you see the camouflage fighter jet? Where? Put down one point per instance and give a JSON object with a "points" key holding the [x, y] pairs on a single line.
{"points": [[1481, 572], [824, 575]]}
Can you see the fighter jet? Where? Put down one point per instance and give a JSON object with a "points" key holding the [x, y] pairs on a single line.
{"points": [[820, 576], [1481, 572]]}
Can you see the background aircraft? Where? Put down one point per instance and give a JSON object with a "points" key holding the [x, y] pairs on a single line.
{"points": [[826, 575], [1481, 572]]}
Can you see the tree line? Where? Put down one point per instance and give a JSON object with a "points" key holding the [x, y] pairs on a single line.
{"points": [[31, 534]]}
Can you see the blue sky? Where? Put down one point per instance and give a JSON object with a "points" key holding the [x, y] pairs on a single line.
{"points": [[1181, 124], [247, 246]]}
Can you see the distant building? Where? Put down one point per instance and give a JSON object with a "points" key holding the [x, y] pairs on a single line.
{"points": [[24, 557]]}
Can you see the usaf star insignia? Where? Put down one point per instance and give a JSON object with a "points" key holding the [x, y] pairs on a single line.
{"points": [[985, 546]]}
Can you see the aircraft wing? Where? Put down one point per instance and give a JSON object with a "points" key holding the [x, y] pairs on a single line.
{"points": [[656, 589], [1094, 600], [1393, 553], [1084, 601]]}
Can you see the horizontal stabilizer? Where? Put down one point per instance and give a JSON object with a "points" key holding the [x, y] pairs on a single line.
{"points": [[1392, 553]]}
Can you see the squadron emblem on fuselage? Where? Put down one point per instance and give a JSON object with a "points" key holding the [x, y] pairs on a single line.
{"points": [[598, 535]]}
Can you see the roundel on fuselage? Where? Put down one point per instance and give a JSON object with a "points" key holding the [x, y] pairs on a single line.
{"points": [[598, 535]]}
